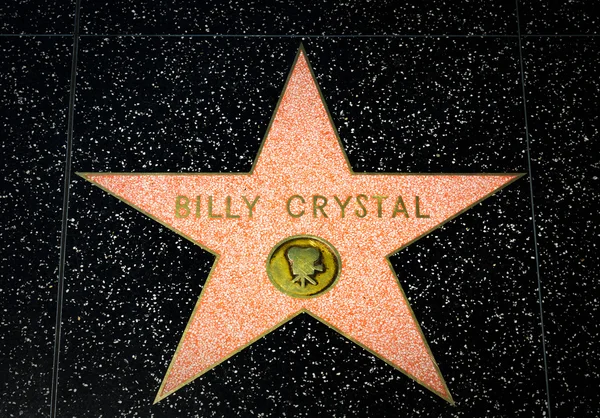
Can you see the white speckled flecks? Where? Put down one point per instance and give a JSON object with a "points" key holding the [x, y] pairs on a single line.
{"points": [[302, 156]]}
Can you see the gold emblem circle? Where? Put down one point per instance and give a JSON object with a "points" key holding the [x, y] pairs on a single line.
{"points": [[303, 266]]}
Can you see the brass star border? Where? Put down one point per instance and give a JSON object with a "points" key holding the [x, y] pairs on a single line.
{"points": [[302, 185]]}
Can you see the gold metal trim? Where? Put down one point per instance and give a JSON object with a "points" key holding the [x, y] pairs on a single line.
{"points": [[301, 49], [336, 261]]}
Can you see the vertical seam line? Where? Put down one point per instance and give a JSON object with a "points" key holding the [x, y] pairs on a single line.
{"points": [[65, 218], [535, 246]]}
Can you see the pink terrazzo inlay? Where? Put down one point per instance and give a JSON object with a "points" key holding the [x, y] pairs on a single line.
{"points": [[301, 156]]}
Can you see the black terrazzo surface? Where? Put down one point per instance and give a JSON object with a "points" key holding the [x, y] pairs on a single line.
{"points": [[561, 18], [564, 98], [37, 17], [202, 104], [280, 17], [34, 74]]}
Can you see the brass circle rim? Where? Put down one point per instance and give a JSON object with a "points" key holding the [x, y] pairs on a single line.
{"points": [[330, 247]]}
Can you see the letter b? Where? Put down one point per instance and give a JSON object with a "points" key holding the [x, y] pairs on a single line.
{"points": [[182, 207]]}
